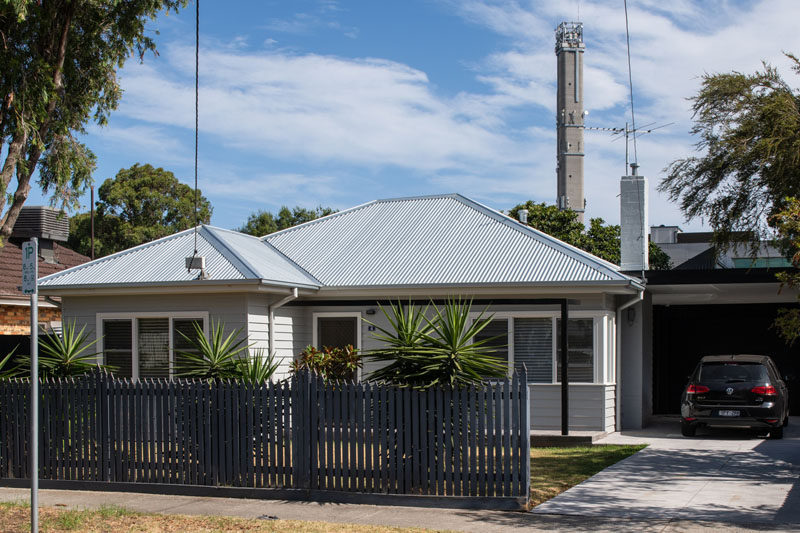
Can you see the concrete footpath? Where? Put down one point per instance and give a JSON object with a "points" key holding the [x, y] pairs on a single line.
{"points": [[434, 519]]}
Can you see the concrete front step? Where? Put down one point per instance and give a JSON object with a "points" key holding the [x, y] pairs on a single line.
{"points": [[554, 438]]}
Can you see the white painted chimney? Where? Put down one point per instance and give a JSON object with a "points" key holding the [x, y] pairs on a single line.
{"points": [[633, 222]]}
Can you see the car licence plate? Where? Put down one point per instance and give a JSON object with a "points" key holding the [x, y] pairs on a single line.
{"points": [[728, 412]]}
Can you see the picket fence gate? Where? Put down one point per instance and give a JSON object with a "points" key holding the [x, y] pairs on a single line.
{"points": [[303, 433]]}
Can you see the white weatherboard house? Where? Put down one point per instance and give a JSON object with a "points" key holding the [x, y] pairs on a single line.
{"points": [[313, 284]]}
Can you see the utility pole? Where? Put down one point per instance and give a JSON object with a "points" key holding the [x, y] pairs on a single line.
{"points": [[92, 222]]}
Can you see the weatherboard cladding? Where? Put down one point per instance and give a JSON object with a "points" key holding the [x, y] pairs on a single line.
{"points": [[435, 240]]}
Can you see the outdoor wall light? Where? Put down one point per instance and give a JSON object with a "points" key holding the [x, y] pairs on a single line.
{"points": [[370, 311], [631, 316]]}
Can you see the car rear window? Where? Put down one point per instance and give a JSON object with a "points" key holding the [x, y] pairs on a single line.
{"points": [[733, 372]]}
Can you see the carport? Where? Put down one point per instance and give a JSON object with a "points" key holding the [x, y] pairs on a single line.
{"points": [[711, 312]]}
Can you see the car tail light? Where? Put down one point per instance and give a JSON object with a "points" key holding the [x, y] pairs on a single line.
{"points": [[767, 390], [697, 389], [771, 420]]}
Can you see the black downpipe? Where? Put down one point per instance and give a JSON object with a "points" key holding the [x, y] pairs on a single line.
{"points": [[563, 357]]}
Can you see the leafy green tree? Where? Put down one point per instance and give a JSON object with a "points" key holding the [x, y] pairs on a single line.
{"points": [[58, 63], [749, 131], [263, 222], [139, 205], [788, 224], [600, 239]]}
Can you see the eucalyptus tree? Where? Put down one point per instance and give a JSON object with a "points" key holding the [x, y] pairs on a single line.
{"points": [[58, 72]]}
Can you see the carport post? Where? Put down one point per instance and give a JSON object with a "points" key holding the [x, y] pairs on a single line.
{"points": [[563, 357]]}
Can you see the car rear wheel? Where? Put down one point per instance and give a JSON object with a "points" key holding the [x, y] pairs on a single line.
{"points": [[786, 420], [776, 433], [687, 429]]}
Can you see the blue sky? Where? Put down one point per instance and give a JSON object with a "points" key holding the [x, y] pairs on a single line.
{"points": [[336, 103]]}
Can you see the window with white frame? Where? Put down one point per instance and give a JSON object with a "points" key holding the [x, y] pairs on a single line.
{"points": [[534, 341], [145, 345]]}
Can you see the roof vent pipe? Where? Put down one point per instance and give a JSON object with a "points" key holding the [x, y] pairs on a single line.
{"points": [[523, 216]]}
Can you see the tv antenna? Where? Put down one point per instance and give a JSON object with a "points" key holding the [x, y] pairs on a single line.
{"points": [[629, 132]]}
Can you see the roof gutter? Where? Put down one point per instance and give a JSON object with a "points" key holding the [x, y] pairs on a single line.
{"points": [[618, 365], [272, 308]]}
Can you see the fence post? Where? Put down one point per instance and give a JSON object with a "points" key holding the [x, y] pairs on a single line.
{"points": [[101, 395], [301, 465], [526, 421]]}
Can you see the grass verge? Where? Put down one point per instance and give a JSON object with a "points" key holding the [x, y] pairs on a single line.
{"points": [[15, 517], [554, 470]]}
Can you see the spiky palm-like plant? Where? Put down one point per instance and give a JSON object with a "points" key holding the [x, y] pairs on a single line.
{"points": [[256, 368], [451, 355], [211, 358], [8, 372], [424, 352], [66, 354], [399, 342]]}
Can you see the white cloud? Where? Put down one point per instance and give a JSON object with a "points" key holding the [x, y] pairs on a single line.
{"points": [[365, 115], [365, 112]]}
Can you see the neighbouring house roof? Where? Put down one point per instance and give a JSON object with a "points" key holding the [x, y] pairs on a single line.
{"points": [[444, 240], [229, 255], [434, 240], [11, 267]]}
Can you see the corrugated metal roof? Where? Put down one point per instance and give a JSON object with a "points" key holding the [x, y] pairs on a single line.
{"points": [[434, 240], [230, 256], [429, 240], [261, 258]]}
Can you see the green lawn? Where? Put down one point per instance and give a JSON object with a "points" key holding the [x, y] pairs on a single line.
{"points": [[554, 470]]}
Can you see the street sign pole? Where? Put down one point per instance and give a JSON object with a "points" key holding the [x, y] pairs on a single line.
{"points": [[30, 275]]}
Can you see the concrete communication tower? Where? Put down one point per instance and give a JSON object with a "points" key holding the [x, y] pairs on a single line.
{"points": [[570, 116]]}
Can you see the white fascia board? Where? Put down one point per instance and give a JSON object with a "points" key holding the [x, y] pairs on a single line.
{"points": [[25, 303]]}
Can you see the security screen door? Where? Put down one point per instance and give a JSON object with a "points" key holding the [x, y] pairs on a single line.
{"points": [[337, 332]]}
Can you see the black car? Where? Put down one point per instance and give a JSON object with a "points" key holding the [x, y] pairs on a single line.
{"points": [[735, 391]]}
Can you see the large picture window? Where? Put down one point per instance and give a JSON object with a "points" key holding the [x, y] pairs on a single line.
{"points": [[534, 341], [145, 346]]}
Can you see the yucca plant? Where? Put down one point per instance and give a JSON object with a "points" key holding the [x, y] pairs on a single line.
{"points": [[454, 357], [211, 358], [424, 352], [399, 342], [66, 354], [6, 370], [256, 368]]}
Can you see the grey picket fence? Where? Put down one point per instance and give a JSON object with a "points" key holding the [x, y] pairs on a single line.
{"points": [[300, 433]]}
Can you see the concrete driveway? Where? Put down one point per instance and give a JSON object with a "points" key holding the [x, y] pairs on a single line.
{"points": [[721, 475]]}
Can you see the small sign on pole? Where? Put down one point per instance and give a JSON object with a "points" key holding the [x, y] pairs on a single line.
{"points": [[30, 275]]}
